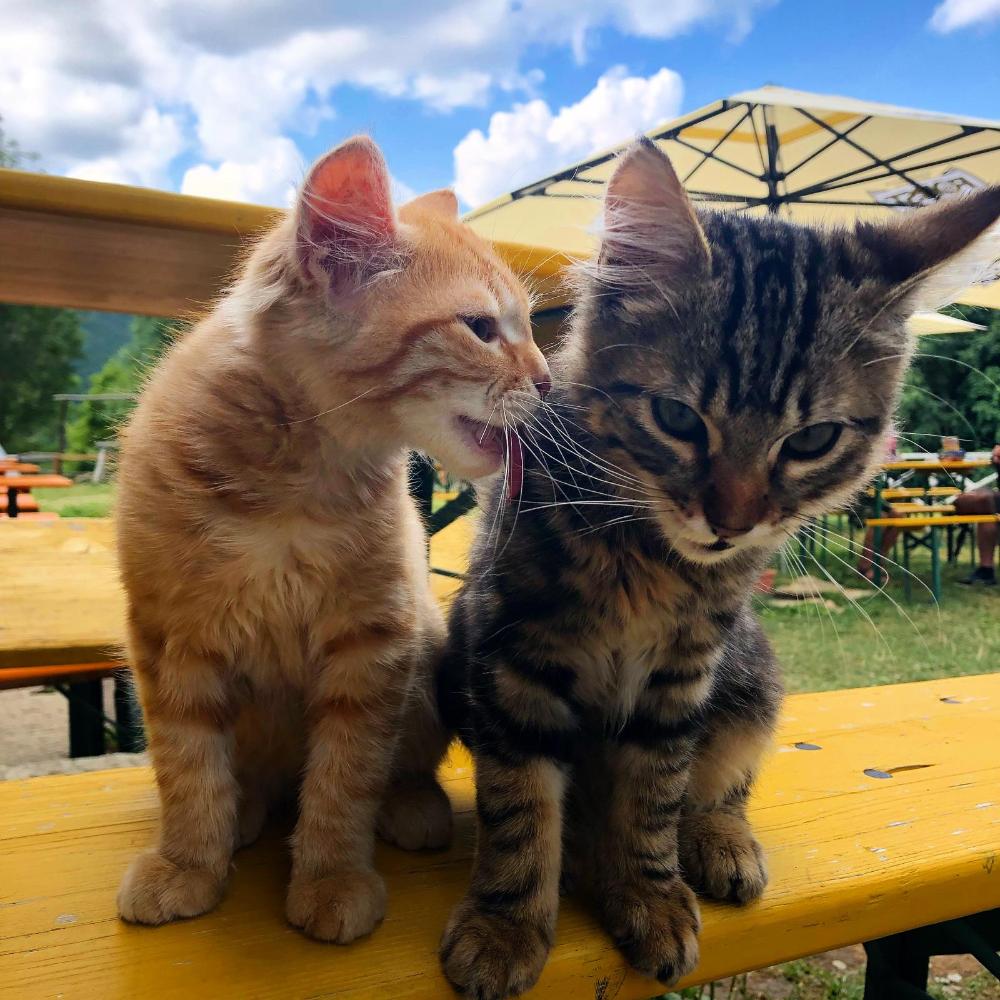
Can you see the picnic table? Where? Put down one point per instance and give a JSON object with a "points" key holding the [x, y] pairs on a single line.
{"points": [[915, 516], [62, 611], [19, 482], [877, 809], [11, 465]]}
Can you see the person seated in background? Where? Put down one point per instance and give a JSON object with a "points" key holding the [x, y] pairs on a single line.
{"points": [[859, 513], [983, 501]]}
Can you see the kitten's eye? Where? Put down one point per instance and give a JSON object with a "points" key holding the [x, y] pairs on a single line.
{"points": [[483, 328], [678, 419], [811, 442]]}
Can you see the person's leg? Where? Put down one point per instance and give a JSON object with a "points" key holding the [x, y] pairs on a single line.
{"points": [[981, 502]]}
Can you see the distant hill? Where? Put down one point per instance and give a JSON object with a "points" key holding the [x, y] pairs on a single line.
{"points": [[103, 334]]}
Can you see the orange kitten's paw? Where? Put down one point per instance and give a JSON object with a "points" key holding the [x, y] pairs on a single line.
{"points": [[655, 925], [490, 957], [339, 907], [721, 858], [415, 815], [155, 890]]}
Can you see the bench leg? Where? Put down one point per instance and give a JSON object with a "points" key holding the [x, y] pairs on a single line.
{"points": [[897, 969], [907, 578], [86, 719], [128, 715], [12, 502], [935, 565]]}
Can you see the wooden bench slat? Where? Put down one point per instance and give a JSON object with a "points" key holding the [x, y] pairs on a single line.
{"points": [[14, 677], [26, 503], [929, 522], [900, 492], [852, 857]]}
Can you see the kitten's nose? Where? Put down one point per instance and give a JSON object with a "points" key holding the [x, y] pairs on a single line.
{"points": [[726, 531], [544, 387]]}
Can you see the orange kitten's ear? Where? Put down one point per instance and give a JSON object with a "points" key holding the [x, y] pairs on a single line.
{"points": [[443, 203], [346, 225], [649, 221]]}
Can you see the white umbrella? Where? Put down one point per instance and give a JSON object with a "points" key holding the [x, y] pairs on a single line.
{"points": [[809, 157]]}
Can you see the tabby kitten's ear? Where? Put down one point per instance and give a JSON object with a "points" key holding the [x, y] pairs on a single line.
{"points": [[346, 227], [442, 203], [936, 252], [649, 222]]}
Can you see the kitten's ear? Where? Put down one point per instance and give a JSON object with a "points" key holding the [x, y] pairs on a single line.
{"points": [[346, 228], [648, 218], [935, 253], [443, 203]]}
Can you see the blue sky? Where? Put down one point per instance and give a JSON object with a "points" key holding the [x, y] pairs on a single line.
{"points": [[233, 98]]}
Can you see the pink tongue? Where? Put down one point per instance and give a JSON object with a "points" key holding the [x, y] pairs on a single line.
{"points": [[515, 465]]}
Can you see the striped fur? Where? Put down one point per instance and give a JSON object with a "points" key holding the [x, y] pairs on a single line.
{"points": [[604, 664]]}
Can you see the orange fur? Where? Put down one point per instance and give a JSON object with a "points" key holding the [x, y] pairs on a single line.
{"points": [[281, 626]]}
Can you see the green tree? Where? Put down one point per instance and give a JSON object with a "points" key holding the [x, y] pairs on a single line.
{"points": [[954, 388], [39, 348], [11, 154], [124, 371]]}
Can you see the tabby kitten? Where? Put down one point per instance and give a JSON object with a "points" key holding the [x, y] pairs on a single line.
{"points": [[279, 612], [725, 377]]}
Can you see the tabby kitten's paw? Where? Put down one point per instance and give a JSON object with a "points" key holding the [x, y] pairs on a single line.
{"points": [[721, 858], [339, 907], [155, 890], [415, 815], [655, 925], [491, 957]]}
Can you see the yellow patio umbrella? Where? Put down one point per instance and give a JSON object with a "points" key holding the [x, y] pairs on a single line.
{"points": [[926, 324], [813, 158], [986, 296]]}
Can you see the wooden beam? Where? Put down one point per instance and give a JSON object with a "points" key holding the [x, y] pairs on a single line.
{"points": [[85, 245]]}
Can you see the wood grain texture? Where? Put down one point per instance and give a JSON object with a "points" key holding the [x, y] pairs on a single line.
{"points": [[88, 245], [852, 857], [83, 263]]}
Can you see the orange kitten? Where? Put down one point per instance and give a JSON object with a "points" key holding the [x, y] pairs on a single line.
{"points": [[280, 618]]}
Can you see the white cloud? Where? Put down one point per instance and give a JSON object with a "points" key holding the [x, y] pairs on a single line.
{"points": [[954, 14], [119, 90], [531, 141], [270, 178]]}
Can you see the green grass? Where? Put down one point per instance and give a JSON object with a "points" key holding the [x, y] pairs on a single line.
{"points": [[819, 648], [884, 639], [80, 500]]}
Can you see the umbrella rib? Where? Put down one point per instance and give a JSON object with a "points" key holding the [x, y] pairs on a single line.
{"points": [[710, 155], [756, 137], [539, 187], [718, 159], [877, 160], [852, 180], [822, 149]]}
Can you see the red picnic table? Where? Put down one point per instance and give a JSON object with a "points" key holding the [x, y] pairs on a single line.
{"points": [[19, 482]]}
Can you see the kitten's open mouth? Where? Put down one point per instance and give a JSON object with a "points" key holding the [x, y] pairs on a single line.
{"points": [[718, 546], [496, 443]]}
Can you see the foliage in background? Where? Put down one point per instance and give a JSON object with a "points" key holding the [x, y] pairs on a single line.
{"points": [[957, 392], [11, 154], [39, 349], [103, 334], [122, 372]]}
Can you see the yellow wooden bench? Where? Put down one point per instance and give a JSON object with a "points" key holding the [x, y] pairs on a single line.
{"points": [[923, 508], [879, 811], [904, 492]]}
